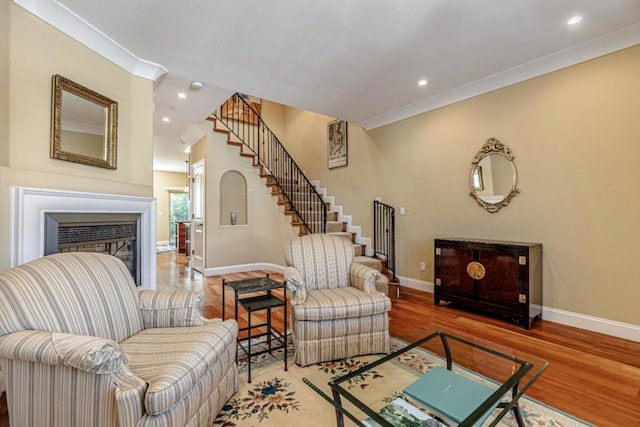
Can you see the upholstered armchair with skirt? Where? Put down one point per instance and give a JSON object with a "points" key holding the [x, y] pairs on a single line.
{"points": [[80, 346], [336, 310]]}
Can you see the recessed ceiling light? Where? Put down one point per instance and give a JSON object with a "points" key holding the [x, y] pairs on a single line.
{"points": [[182, 95], [422, 82], [197, 85], [574, 20], [166, 119]]}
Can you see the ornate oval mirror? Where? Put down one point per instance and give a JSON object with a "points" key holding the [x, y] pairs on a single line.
{"points": [[494, 177], [84, 125]]}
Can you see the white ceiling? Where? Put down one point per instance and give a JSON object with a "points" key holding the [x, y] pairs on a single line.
{"points": [[359, 60]]}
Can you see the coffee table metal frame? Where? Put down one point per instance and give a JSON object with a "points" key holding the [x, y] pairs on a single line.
{"points": [[264, 300], [512, 385]]}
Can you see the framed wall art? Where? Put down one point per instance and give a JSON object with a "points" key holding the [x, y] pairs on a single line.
{"points": [[337, 154]]}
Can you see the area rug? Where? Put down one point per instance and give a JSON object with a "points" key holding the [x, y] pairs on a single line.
{"points": [[279, 398], [163, 249]]}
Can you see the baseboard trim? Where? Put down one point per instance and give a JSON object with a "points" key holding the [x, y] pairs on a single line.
{"points": [[162, 243], [590, 323], [240, 268], [412, 283]]}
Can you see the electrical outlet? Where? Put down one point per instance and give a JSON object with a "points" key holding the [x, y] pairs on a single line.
{"points": [[423, 266]]}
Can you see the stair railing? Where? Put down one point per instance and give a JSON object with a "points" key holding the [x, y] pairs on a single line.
{"points": [[247, 125], [384, 235]]}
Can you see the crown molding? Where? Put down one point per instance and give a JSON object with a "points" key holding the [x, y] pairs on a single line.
{"points": [[617, 40], [77, 28]]}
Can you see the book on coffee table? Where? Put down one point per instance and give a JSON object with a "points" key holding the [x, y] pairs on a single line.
{"points": [[402, 413], [451, 396]]}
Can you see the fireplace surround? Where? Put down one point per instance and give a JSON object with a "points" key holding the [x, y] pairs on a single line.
{"points": [[32, 208]]}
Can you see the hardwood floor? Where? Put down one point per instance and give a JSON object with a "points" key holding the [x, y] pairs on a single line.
{"points": [[592, 376]]}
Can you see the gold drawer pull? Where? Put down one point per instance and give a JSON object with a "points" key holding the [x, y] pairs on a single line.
{"points": [[475, 270]]}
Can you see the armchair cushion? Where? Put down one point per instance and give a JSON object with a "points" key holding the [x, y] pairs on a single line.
{"points": [[172, 360], [341, 303]]}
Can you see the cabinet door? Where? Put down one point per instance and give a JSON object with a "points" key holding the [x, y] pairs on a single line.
{"points": [[501, 283], [453, 275]]}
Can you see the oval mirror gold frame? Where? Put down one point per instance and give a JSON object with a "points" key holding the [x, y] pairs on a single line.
{"points": [[77, 136], [479, 183]]}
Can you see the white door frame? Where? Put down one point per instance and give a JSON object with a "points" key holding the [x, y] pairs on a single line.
{"points": [[198, 216]]}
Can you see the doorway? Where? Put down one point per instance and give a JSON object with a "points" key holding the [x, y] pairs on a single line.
{"points": [[178, 213]]}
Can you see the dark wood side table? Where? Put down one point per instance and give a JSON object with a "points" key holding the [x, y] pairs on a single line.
{"points": [[262, 299]]}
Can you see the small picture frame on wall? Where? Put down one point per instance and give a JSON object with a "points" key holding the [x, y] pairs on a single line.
{"points": [[337, 153]]}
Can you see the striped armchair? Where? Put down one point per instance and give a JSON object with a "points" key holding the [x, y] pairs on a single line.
{"points": [[79, 346], [336, 310]]}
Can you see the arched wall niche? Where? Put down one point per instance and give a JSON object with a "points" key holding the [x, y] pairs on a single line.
{"points": [[233, 199]]}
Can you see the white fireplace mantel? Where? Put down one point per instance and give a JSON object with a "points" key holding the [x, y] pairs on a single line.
{"points": [[29, 205]]}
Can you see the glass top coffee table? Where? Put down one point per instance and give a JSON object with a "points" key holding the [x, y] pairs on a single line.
{"points": [[439, 377]]}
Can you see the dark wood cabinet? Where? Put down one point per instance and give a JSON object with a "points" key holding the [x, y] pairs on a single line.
{"points": [[503, 278]]}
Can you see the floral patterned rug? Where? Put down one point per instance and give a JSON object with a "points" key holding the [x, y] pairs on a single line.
{"points": [[279, 398]]}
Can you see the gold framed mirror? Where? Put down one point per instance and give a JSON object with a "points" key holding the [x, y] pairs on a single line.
{"points": [[494, 178], [84, 125]]}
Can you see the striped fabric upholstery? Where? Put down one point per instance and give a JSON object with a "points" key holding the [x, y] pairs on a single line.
{"points": [[79, 293], [345, 338], [80, 347], [341, 303], [336, 310], [173, 360], [322, 259], [168, 309]]}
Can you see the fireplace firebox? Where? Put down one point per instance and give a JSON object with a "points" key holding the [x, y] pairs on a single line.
{"points": [[115, 234]]}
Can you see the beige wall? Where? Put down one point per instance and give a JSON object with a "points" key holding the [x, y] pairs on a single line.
{"points": [[4, 83], [163, 184], [267, 229], [574, 134], [36, 52]]}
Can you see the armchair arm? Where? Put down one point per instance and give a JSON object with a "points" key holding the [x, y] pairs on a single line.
{"points": [[90, 354], [171, 308], [295, 284], [363, 277]]}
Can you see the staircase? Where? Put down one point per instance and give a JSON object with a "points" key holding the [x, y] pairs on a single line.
{"points": [[309, 212]]}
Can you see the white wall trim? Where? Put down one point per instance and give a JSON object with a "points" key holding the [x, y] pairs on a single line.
{"points": [[617, 40], [240, 268], [162, 243], [77, 28], [568, 318], [420, 285], [592, 323]]}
